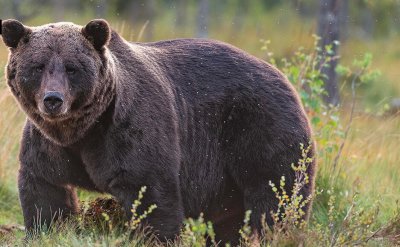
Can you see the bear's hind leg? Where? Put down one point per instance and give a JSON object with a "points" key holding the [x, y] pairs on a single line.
{"points": [[227, 215], [261, 203], [254, 177], [253, 173]]}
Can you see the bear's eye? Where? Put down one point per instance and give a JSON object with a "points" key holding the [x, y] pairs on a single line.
{"points": [[39, 68], [70, 70]]}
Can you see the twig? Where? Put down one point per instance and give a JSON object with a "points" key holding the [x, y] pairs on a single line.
{"points": [[353, 93]]}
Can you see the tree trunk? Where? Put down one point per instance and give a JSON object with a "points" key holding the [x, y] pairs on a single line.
{"points": [[328, 30], [101, 9], [58, 10], [367, 22], [344, 19], [240, 15], [181, 13], [202, 19], [16, 11]]}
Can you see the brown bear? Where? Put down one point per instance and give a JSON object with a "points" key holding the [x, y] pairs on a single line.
{"points": [[204, 125]]}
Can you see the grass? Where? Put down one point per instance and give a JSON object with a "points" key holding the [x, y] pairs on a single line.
{"points": [[371, 161], [365, 179]]}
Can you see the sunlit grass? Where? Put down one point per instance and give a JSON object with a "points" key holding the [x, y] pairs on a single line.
{"points": [[11, 121], [372, 159]]}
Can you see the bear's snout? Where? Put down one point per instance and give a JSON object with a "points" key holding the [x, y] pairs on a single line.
{"points": [[53, 102]]}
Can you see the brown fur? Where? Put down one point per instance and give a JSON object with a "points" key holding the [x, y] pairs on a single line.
{"points": [[204, 125]]}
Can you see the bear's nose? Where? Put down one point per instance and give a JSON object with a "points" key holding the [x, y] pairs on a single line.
{"points": [[53, 101]]}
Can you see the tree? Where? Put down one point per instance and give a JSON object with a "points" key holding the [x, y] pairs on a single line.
{"points": [[101, 9], [202, 19], [329, 30], [58, 10], [181, 13]]}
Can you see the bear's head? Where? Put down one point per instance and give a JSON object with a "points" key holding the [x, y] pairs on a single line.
{"points": [[61, 75]]}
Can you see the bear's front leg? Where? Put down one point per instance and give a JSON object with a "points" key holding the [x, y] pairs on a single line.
{"points": [[45, 179], [166, 219], [42, 202]]}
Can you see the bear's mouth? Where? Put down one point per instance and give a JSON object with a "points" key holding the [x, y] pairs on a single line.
{"points": [[54, 117]]}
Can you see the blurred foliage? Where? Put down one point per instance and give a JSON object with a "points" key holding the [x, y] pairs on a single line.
{"points": [[364, 18]]}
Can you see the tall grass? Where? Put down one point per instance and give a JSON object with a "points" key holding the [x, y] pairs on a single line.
{"points": [[11, 121]]}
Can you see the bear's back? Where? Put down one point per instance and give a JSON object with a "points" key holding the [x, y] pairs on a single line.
{"points": [[207, 70], [226, 101]]}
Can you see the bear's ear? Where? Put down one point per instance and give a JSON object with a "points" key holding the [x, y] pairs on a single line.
{"points": [[98, 32], [12, 32]]}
